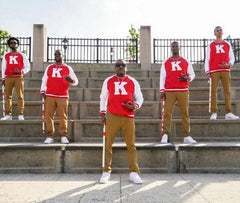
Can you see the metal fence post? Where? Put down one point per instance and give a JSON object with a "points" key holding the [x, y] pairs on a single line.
{"points": [[48, 49], [204, 49], [97, 50], [136, 50]]}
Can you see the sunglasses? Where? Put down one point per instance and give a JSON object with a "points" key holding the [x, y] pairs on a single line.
{"points": [[219, 30], [13, 42], [120, 64]]}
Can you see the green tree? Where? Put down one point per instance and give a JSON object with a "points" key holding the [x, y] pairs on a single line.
{"points": [[133, 47], [4, 35]]}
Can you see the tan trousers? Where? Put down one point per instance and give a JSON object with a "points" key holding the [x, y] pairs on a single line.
{"points": [[10, 83], [226, 82], [113, 124], [183, 102], [51, 104]]}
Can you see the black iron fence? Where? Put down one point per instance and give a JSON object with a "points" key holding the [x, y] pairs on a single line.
{"points": [[24, 47], [193, 49], [81, 50]]}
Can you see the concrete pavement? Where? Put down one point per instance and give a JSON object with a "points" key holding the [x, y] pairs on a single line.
{"points": [[84, 188]]}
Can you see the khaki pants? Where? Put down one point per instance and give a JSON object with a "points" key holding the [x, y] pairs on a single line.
{"points": [[183, 103], [226, 82], [10, 83], [113, 124], [51, 104]]}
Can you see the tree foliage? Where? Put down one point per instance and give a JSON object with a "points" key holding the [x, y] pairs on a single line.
{"points": [[134, 44], [4, 35]]}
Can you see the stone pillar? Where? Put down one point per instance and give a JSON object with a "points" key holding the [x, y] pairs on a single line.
{"points": [[39, 46], [145, 47]]}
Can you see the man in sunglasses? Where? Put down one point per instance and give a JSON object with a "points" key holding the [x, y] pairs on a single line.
{"points": [[219, 60], [117, 93], [14, 65]]}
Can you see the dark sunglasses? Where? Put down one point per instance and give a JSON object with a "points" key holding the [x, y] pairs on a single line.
{"points": [[13, 42], [219, 30], [120, 64]]}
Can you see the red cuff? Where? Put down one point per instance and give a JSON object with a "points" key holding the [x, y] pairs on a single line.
{"points": [[103, 113]]}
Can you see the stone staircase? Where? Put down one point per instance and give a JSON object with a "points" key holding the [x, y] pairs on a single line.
{"points": [[21, 142]]}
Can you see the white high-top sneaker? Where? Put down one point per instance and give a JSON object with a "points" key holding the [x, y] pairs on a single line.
{"points": [[135, 178], [231, 116], [189, 139], [105, 177], [213, 116], [6, 118], [164, 138]]}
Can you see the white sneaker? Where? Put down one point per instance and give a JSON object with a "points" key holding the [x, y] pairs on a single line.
{"points": [[135, 178], [231, 116], [6, 118], [20, 118], [48, 140], [164, 138], [189, 139], [64, 140], [105, 177], [213, 116]]}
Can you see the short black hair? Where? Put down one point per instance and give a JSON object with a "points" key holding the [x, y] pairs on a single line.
{"points": [[12, 38]]}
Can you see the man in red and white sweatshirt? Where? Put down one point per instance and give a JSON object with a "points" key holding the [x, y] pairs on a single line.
{"points": [[219, 60], [117, 98], [54, 89], [14, 65], [176, 73]]}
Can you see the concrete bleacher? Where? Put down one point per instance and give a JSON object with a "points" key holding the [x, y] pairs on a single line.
{"points": [[22, 148]]}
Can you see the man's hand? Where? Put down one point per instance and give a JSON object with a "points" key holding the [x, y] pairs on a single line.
{"points": [[130, 105], [103, 119], [162, 95], [209, 76], [224, 65], [43, 95], [183, 77], [68, 78], [16, 71], [3, 82]]}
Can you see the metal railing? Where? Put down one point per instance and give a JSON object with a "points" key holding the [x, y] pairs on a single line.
{"points": [[192, 49], [24, 47], [84, 50]]}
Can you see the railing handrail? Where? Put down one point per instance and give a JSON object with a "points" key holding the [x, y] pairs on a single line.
{"points": [[193, 49], [25, 45]]}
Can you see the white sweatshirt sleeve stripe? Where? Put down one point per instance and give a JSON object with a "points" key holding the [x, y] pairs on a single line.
{"points": [[4, 66], [73, 76], [26, 63], [190, 71], [44, 81], [104, 96], [163, 76], [207, 59], [137, 93], [231, 55]]}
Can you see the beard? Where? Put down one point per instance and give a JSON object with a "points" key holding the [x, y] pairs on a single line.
{"points": [[13, 48]]}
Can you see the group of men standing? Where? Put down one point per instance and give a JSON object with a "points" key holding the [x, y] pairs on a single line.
{"points": [[116, 100]]}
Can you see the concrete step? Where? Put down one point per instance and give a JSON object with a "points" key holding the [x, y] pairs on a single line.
{"points": [[145, 82], [33, 109], [90, 130], [134, 72], [220, 157], [149, 94], [149, 109]]}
